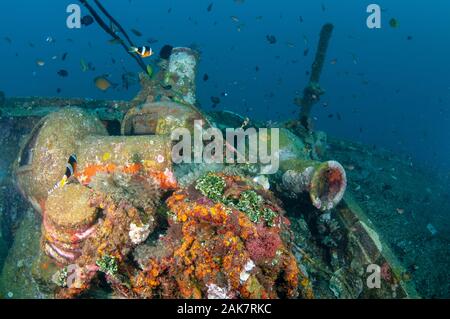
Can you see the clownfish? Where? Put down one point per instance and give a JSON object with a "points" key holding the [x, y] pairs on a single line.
{"points": [[71, 166], [144, 51]]}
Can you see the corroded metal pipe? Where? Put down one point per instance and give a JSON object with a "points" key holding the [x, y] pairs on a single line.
{"points": [[181, 73], [325, 182], [43, 158], [127, 154]]}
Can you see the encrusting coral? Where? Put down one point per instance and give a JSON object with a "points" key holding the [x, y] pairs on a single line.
{"points": [[227, 237], [212, 248], [126, 206]]}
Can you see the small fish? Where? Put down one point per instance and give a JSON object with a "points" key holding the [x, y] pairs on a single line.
{"points": [[152, 40], [91, 66], [205, 77], [400, 211], [215, 101], [40, 63], [84, 66], [290, 44], [245, 122], [305, 40], [87, 20], [115, 41], [102, 83], [130, 78], [209, 9], [64, 56], [432, 229], [150, 70], [271, 39], [63, 73], [144, 51], [334, 62], [235, 19], [394, 23], [350, 167], [71, 167], [136, 32]]}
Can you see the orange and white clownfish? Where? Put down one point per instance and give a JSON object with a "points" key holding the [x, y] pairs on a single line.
{"points": [[144, 51], [71, 167]]}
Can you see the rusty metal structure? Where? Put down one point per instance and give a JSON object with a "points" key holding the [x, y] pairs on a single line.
{"points": [[120, 134]]}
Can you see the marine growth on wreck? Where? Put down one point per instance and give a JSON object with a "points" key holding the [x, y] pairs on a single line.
{"points": [[158, 196]]}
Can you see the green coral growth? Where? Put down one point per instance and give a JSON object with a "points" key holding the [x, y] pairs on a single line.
{"points": [[108, 265], [211, 186], [269, 215], [251, 204], [136, 158], [60, 277]]}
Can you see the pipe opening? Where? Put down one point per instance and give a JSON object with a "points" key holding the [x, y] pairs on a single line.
{"points": [[113, 128], [328, 185]]}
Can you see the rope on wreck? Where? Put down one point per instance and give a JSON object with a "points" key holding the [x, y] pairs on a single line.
{"points": [[114, 21], [108, 30]]}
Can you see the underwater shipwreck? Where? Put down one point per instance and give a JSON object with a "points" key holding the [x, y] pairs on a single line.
{"points": [[128, 222]]}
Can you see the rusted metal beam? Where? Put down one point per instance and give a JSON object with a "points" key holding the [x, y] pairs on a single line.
{"points": [[373, 248], [22, 107]]}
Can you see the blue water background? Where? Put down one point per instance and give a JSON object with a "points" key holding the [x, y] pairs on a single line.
{"points": [[388, 90]]}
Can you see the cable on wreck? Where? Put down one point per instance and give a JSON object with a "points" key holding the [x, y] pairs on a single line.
{"points": [[114, 21], [108, 30]]}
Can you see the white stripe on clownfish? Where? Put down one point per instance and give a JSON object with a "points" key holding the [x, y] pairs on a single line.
{"points": [[70, 170]]}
